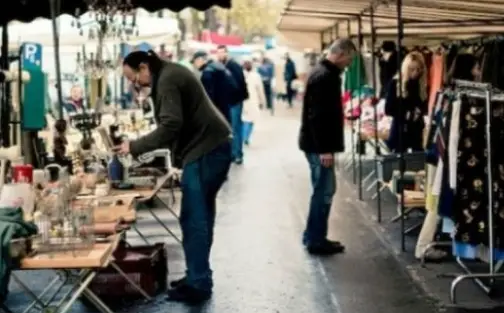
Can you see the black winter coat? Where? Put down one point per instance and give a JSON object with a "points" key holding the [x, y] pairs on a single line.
{"points": [[322, 123], [236, 71]]}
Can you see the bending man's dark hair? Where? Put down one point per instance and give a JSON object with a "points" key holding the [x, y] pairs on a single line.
{"points": [[135, 58]]}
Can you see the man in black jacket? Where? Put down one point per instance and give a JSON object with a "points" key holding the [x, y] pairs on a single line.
{"points": [[321, 137], [217, 80], [239, 96]]}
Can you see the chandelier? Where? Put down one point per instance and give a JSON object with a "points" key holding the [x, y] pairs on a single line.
{"points": [[106, 20], [93, 66]]}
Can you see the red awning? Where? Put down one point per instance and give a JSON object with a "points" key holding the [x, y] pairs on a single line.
{"points": [[217, 39]]}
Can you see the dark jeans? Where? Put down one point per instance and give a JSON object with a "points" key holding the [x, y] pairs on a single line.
{"points": [[201, 181], [290, 92], [248, 127], [237, 125], [324, 187], [268, 93]]}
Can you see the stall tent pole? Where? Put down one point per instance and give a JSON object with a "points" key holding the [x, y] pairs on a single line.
{"points": [[4, 105], [115, 58], [53, 4], [359, 122], [402, 165], [352, 124], [336, 31], [375, 111], [322, 41], [122, 80]]}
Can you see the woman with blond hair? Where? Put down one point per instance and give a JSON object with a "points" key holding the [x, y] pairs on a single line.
{"points": [[408, 118]]}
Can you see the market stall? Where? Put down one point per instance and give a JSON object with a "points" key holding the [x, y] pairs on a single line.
{"points": [[437, 31], [72, 219]]}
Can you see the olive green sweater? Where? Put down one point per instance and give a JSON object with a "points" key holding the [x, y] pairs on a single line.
{"points": [[187, 121]]}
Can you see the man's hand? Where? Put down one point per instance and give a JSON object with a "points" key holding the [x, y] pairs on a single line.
{"points": [[123, 148], [327, 159]]}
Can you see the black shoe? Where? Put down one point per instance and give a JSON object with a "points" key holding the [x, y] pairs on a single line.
{"points": [[178, 282], [334, 243], [325, 249], [188, 294], [238, 161]]}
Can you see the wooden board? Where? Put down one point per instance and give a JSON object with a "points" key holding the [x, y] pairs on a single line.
{"points": [[111, 213], [97, 257], [142, 194], [413, 198]]}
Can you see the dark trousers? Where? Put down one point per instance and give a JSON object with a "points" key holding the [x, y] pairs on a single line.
{"points": [[237, 126], [268, 93], [201, 181], [290, 92], [323, 181]]}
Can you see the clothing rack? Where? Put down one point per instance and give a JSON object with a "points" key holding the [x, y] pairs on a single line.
{"points": [[474, 41], [481, 91]]}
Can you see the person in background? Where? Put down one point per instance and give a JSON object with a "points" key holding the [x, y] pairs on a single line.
{"points": [[217, 80], [322, 136], [198, 134], [75, 103], [267, 71], [388, 65], [290, 75], [251, 106], [409, 119], [240, 95]]}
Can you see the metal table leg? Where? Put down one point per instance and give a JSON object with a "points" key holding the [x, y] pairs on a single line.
{"points": [[129, 280], [369, 176], [160, 222], [37, 299], [382, 188], [169, 207], [79, 287], [139, 233], [83, 290]]}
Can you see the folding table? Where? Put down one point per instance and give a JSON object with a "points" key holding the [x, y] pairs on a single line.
{"points": [[142, 196], [74, 269]]}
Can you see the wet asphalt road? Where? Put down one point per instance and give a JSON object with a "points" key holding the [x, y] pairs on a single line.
{"points": [[258, 261]]}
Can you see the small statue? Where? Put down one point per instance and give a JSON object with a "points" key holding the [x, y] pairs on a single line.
{"points": [[60, 143]]}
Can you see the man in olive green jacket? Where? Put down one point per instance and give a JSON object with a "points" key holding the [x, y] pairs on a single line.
{"points": [[198, 135]]}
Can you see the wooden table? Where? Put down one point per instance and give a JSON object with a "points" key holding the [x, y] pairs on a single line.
{"points": [[112, 208], [97, 256], [76, 270]]}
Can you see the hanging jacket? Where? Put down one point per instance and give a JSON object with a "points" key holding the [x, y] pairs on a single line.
{"points": [[407, 119], [355, 75], [388, 69], [12, 226]]}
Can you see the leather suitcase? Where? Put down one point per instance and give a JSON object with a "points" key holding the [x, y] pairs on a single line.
{"points": [[147, 266]]}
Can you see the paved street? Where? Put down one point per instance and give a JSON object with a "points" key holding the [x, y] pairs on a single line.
{"points": [[258, 261]]}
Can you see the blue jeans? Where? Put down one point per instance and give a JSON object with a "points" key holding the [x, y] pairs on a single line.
{"points": [[237, 125], [324, 187], [201, 181], [247, 131]]}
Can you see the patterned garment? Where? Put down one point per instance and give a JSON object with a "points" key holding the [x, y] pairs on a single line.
{"points": [[470, 212]]}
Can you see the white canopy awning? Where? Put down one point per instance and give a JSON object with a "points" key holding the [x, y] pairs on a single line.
{"points": [[153, 30]]}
